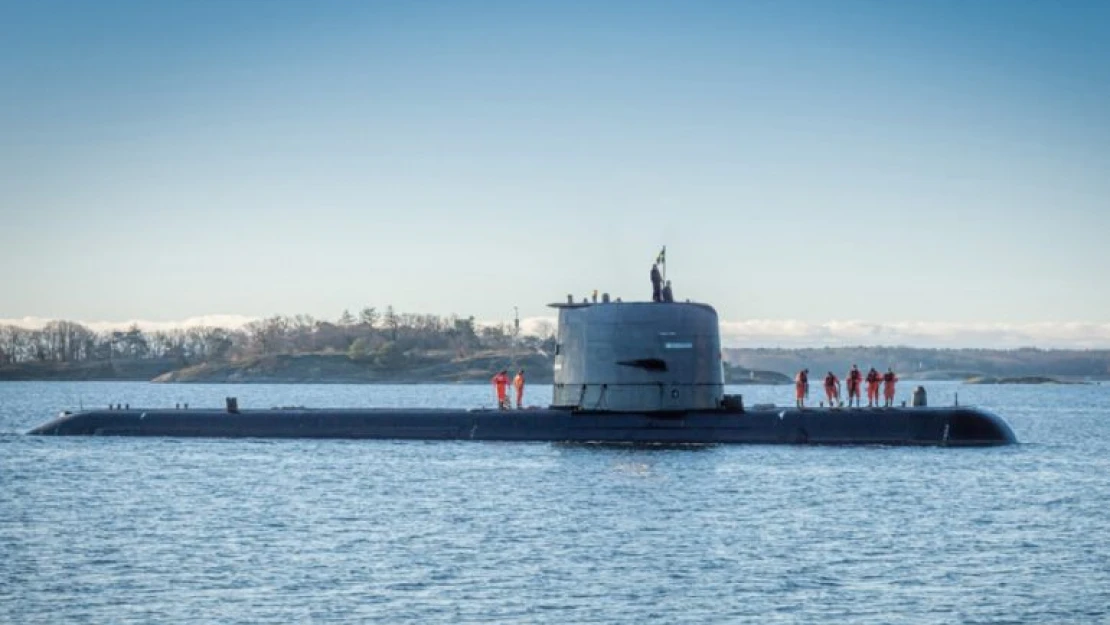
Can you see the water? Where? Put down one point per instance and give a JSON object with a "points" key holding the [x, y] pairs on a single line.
{"points": [[118, 530]]}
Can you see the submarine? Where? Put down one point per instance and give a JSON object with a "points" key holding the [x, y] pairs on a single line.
{"points": [[624, 373]]}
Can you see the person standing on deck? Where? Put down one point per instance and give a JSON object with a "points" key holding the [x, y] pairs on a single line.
{"points": [[501, 385], [832, 389], [873, 380], [889, 379], [656, 283], [854, 380], [518, 384], [801, 388]]}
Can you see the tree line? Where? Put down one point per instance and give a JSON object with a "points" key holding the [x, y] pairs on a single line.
{"points": [[371, 335]]}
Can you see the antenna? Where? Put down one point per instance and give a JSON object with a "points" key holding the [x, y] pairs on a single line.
{"points": [[516, 334]]}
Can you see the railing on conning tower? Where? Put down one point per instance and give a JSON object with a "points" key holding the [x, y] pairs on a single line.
{"points": [[638, 356]]}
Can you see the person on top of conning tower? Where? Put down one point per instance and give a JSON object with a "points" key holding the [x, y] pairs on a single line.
{"points": [[668, 295], [656, 283]]}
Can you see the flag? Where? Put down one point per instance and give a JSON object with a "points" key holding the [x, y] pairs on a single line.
{"points": [[661, 259]]}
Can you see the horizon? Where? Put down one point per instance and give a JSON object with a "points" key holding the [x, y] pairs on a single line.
{"points": [[748, 334], [823, 173]]}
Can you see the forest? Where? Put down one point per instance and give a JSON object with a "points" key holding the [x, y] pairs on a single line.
{"points": [[376, 338]]}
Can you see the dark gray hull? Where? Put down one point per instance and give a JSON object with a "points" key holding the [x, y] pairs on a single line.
{"points": [[956, 426]]}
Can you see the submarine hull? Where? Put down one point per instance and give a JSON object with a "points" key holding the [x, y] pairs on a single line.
{"points": [[955, 426]]}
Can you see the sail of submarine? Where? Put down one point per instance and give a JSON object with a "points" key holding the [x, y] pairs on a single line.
{"points": [[624, 372]]}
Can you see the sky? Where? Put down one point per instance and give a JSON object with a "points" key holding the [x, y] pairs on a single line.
{"points": [[823, 172]]}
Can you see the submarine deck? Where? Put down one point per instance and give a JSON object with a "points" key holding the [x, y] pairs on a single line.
{"points": [[949, 426]]}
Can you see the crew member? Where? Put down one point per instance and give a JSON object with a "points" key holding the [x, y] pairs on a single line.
{"points": [[854, 379], [656, 283], [888, 386], [501, 385], [832, 389], [518, 384], [801, 388], [873, 380], [668, 295]]}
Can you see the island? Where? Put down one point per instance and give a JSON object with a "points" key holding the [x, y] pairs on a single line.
{"points": [[375, 346]]}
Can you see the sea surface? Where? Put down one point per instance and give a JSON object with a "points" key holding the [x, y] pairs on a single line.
{"points": [[125, 530]]}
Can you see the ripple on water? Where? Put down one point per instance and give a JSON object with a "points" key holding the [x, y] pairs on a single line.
{"points": [[162, 530]]}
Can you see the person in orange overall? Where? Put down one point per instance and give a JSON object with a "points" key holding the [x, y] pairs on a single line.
{"points": [[501, 385], [518, 384], [854, 380], [873, 380], [801, 388], [832, 389], [888, 386]]}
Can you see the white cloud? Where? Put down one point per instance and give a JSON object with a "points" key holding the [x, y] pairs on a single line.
{"points": [[220, 321], [793, 333], [539, 325]]}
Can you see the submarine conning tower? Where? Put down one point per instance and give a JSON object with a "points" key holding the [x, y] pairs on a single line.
{"points": [[638, 356]]}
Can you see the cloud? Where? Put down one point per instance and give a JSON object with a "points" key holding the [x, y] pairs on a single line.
{"points": [[220, 321], [539, 325], [793, 333]]}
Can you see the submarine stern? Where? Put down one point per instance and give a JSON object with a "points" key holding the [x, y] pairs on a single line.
{"points": [[68, 424]]}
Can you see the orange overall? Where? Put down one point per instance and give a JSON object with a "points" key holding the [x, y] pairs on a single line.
{"points": [[518, 384], [801, 387], [853, 385], [873, 380], [501, 384], [832, 389], [888, 387]]}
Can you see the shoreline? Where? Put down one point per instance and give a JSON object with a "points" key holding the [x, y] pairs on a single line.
{"points": [[432, 368]]}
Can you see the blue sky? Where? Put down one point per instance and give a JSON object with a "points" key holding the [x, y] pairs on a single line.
{"points": [[812, 162]]}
